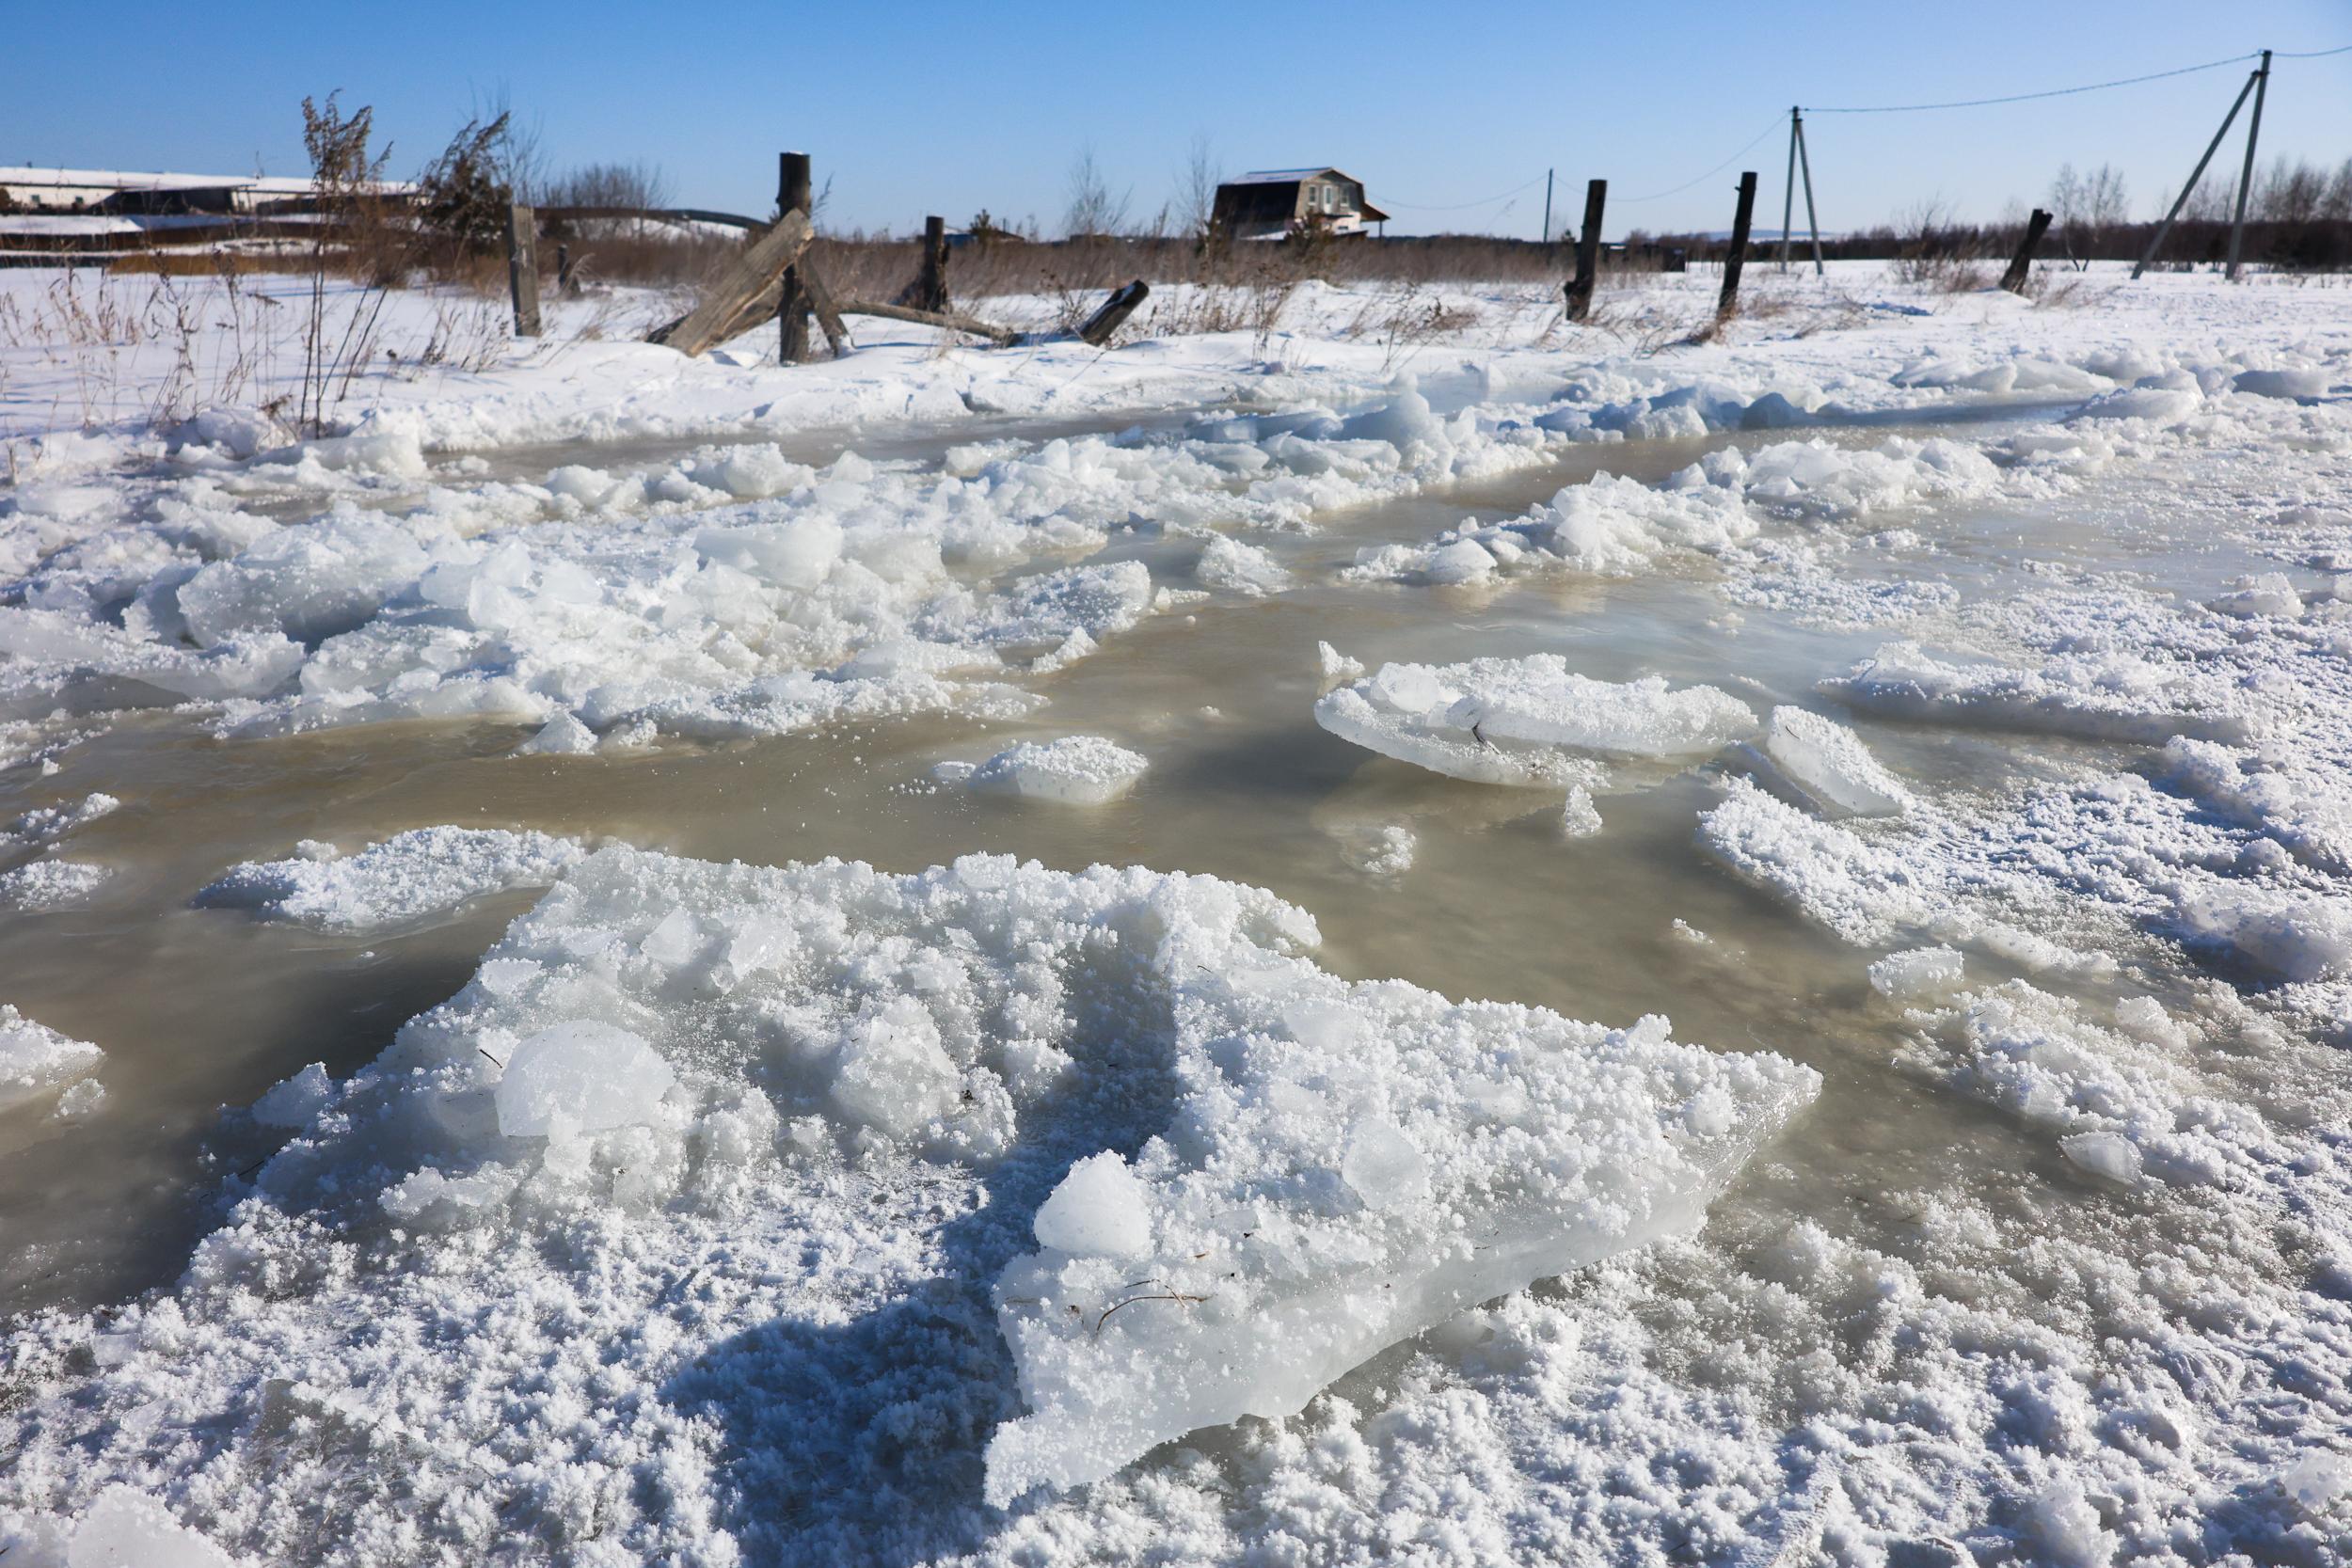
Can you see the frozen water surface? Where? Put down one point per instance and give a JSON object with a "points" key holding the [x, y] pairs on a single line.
{"points": [[1879, 1100]]}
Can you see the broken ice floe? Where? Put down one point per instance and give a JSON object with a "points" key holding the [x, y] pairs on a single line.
{"points": [[1527, 721], [409, 878]]}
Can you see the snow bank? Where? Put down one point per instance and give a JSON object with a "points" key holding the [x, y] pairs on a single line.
{"points": [[1527, 721], [35, 1058], [411, 877], [1074, 771]]}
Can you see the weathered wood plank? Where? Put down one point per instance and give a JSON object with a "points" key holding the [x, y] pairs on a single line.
{"points": [[951, 320], [522, 268], [757, 270]]}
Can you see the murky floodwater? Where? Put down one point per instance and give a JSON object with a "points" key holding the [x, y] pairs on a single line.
{"points": [[198, 1009]]}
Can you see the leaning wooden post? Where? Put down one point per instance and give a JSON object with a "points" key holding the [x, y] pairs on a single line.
{"points": [[1728, 305], [931, 289], [522, 267], [1116, 310], [2021, 263], [2165, 228], [792, 196], [563, 268], [1788, 186], [1587, 251]]}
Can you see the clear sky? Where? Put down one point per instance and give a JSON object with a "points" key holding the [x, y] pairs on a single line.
{"points": [[916, 107]]}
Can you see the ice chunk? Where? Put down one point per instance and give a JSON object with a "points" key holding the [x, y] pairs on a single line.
{"points": [[1527, 721], [2292, 935], [1579, 816], [1097, 1211], [2107, 1154], [892, 1076], [563, 736], [1076, 770], [1382, 1167], [294, 1102], [126, 1529], [50, 884], [1916, 972], [583, 1075], [1336, 665], [1864, 892], [1385, 850], [1902, 682], [2064, 1525], [1830, 764], [2260, 594], [35, 1058], [1241, 568], [409, 878], [2317, 1480]]}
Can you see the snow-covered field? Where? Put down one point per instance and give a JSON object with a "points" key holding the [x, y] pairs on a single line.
{"points": [[1408, 933]]}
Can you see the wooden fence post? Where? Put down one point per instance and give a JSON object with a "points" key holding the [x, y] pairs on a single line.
{"points": [[1587, 251], [930, 290], [1116, 310], [522, 267], [563, 268], [2021, 263], [1728, 305], [792, 196]]}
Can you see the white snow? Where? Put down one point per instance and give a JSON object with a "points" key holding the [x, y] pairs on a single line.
{"points": [[42, 886]]}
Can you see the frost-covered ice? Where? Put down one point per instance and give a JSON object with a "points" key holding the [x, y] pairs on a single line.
{"points": [[35, 1059], [1529, 720], [897, 1100], [1831, 766], [2114, 698], [1073, 770], [1917, 972], [411, 877]]}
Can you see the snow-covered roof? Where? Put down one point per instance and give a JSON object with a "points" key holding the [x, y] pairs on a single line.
{"points": [[1280, 176], [128, 180]]}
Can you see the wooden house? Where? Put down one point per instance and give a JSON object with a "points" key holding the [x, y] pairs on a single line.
{"points": [[1273, 204]]}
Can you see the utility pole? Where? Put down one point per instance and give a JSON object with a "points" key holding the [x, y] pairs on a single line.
{"points": [[1789, 188], [1547, 206], [2246, 179], [1728, 305], [2165, 228]]}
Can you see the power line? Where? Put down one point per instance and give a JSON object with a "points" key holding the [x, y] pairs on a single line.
{"points": [[1778, 121], [2023, 97], [1466, 206], [2312, 53]]}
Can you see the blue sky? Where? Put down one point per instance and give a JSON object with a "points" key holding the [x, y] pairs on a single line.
{"points": [[920, 107]]}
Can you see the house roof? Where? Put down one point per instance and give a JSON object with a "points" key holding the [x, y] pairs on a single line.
{"points": [[124, 180], [1261, 203]]}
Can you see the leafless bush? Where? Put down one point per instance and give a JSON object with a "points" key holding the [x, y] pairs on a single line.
{"points": [[1093, 209], [1937, 252]]}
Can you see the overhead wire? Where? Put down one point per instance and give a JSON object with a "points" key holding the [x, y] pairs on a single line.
{"points": [[2024, 97], [1778, 121]]}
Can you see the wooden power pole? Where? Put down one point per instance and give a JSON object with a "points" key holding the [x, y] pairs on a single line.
{"points": [[1728, 305]]}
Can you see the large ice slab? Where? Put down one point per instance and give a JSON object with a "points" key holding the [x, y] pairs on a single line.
{"points": [[1346, 1166], [1529, 720]]}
